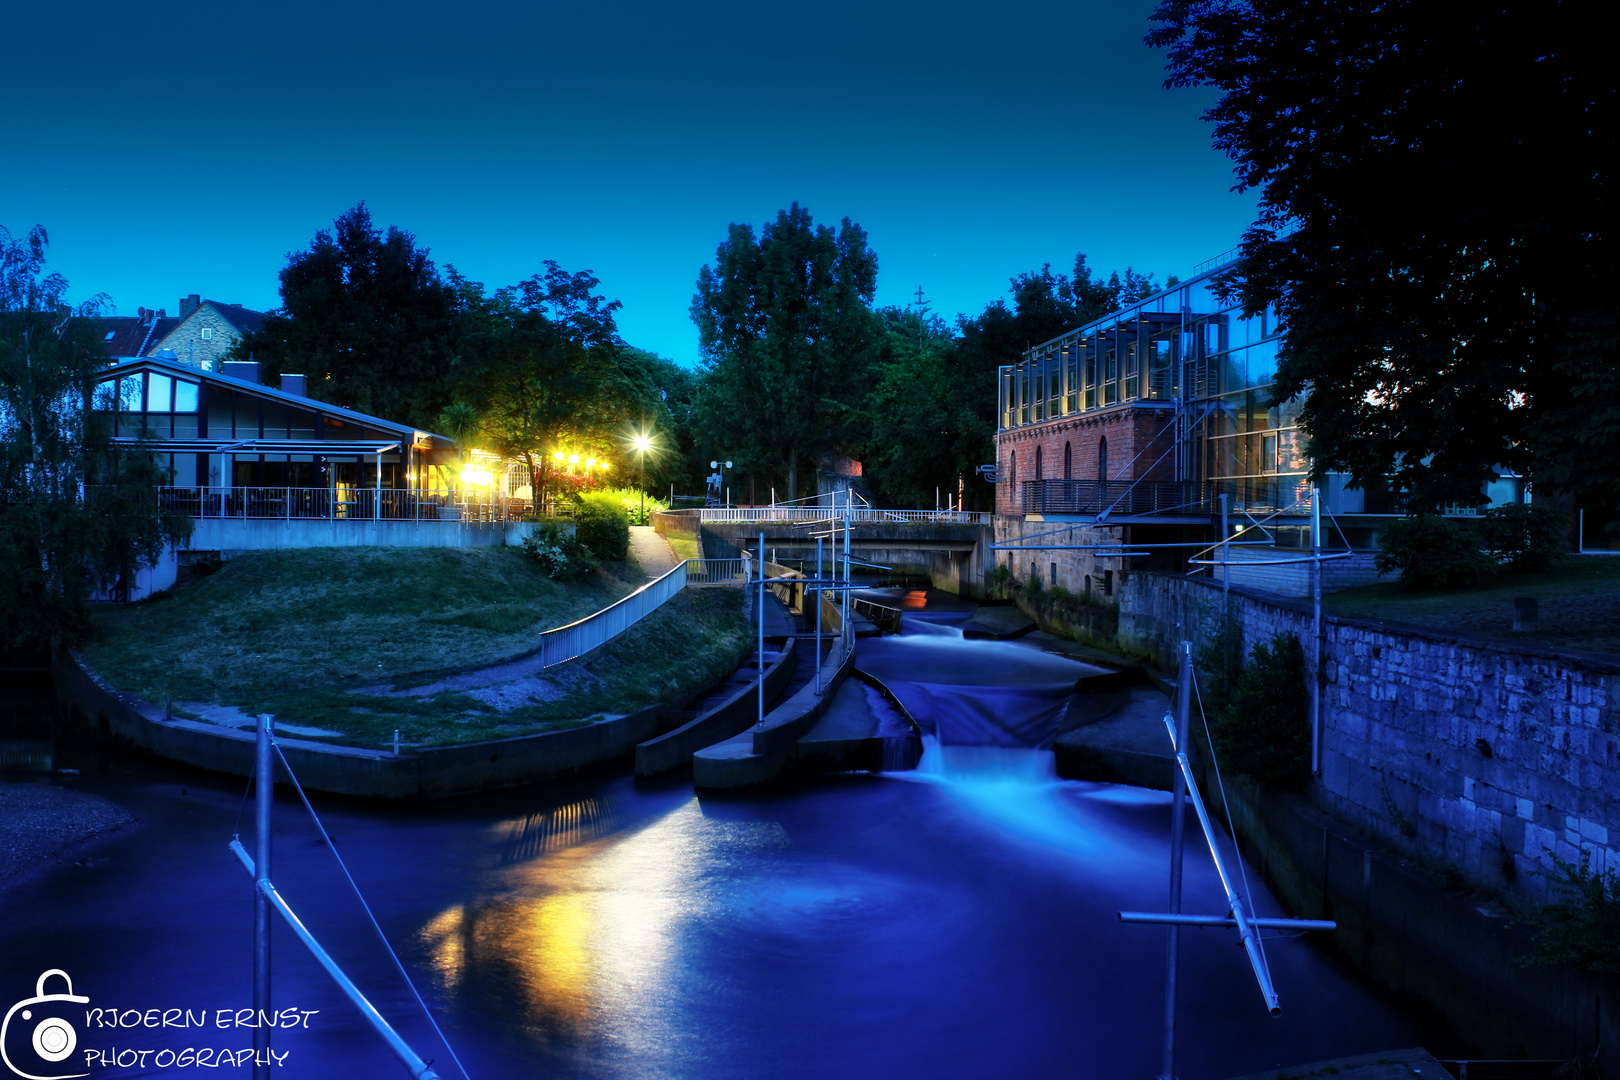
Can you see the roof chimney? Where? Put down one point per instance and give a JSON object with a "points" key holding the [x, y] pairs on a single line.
{"points": [[295, 384], [189, 304]]}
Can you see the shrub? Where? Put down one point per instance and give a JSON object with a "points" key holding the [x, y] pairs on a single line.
{"points": [[1220, 660], [1263, 730], [601, 525], [631, 500], [559, 552], [1581, 926], [1525, 537], [1433, 553]]}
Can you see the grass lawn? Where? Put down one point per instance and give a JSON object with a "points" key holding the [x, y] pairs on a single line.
{"points": [[326, 638], [1579, 605], [685, 545]]}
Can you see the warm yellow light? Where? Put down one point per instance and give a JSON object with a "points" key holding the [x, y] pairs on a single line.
{"points": [[474, 475], [573, 459], [603, 465], [642, 443], [558, 455], [590, 461]]}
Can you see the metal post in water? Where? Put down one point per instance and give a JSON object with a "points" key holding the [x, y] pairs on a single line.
{"points": [[263, 790], [761, 561], [1316, 631], [820, 626], [1178, 799]]}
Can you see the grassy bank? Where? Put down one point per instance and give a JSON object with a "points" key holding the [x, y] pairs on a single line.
{"points": [[1579, 602], [328, 638]]}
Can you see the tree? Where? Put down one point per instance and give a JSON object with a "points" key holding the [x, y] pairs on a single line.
{"points": [[1045, 305], [786, 334], [928, 430], [672, 391], [1433, 231], [367, 317], [77, 512], [542, 365]]}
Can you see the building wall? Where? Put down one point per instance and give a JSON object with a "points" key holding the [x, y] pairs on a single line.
{"points": [[191, 347], [1137, 440]]}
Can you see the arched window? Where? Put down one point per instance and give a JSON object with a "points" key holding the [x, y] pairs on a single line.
{"points": [[1037, 475], [1088, 586], [1068, 462], [1102, 458], [1012, 470]]}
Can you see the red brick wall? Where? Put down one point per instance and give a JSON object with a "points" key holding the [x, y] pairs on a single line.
{"points": [[1130, 432]]}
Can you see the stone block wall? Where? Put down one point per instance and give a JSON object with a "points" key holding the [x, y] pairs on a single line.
{"points": [[1482, 754]]}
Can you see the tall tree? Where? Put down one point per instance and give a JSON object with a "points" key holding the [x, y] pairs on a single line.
{"points": [[786, 334], [77, 512], [1434, 228], [543, 366], [366, 315], [931, 421]]}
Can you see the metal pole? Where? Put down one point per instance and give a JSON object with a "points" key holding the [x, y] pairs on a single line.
{"points": [[263, 889], [819, 626], [1226, 577], [1178, 810], [761, 560], [1316, 631], [263, 790], [849, 597]]}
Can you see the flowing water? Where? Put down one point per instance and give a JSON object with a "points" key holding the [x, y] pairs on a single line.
{"points": [[953, 922]]}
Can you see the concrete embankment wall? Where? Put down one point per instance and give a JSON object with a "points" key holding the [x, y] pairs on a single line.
{"points": [[674, 749], [91, 705], [1451, 962]]}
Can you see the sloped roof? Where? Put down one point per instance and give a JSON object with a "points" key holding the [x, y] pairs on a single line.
{"points": [[244, 319], [130, 335]]}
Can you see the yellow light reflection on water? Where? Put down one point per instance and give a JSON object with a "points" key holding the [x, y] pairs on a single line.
{"points": [[584, 920]]}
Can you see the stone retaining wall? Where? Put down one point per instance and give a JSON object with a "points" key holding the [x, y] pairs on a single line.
{"points": [[1486, 755]]}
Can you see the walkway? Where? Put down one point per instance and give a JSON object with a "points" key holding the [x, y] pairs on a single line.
{"points": [[651, 552]]}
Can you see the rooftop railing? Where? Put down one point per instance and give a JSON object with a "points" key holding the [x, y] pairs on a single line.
{"points": [[823, 513]]}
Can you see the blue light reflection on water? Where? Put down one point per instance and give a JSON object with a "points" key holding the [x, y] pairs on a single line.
{"points": [[955, 922]]}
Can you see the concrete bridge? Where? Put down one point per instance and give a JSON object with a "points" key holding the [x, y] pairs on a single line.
{"points": [[949, 548]]}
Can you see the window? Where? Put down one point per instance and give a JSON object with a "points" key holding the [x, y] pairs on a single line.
{"points": [[1108, 583], [1037, 475], [1012, 470], [1068, 462], [1102, 458], [207, 332], [1054, 573], [1088, 586]]}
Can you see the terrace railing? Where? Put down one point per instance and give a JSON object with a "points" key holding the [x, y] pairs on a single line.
{"points": [[1120, 498], [339, 504], [823, 513], [701, 572], [578, 638]]}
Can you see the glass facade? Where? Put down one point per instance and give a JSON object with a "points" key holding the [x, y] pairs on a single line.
{"points": [[1188, 350]]}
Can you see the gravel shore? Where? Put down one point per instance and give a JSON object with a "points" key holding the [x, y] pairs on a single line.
{"points": [[41, 824]]}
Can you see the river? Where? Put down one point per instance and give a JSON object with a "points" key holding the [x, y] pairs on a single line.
{"points": [[953, 922]]}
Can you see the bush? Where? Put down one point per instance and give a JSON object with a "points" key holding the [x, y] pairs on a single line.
{"points": [[559, 552], [601, 525], [1263, 729], [1525, 537], [1581, 926], [1433, 553], [631, 500]]}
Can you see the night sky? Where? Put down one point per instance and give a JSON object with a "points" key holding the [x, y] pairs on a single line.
{"points": [[185, 148]]}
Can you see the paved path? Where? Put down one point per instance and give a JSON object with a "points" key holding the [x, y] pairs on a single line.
{"points": [[651, 552]]}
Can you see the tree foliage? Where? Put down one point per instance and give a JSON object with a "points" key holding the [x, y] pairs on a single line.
{"points": [[1263, 729], [542, 365], [786, 335], [367, 317], [77, 512], [1434, 228]]}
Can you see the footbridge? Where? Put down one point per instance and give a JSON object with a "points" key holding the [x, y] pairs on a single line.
{"points": [[950, 549]]}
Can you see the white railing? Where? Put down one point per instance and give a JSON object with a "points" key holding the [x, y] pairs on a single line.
{"points": [[341, 503], [578, 638], [825, 513], [700, 572]]}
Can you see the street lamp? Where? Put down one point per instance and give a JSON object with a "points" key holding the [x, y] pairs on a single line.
{"points": [[642, 445]]}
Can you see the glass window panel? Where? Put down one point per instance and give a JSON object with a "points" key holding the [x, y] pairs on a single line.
{"points": [[159, 393], [185, 396]]}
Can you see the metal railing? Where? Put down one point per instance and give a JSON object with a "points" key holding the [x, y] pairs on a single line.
{"points": [[824, 513], [341, 503], [578, 638], [702, 572], [1120, 497], [884, 618]]}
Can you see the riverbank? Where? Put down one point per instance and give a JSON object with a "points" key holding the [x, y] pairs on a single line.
{"points": [[43, 825]]}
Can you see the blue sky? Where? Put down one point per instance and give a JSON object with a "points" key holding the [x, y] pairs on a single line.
{"points": [[178, 148]]}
